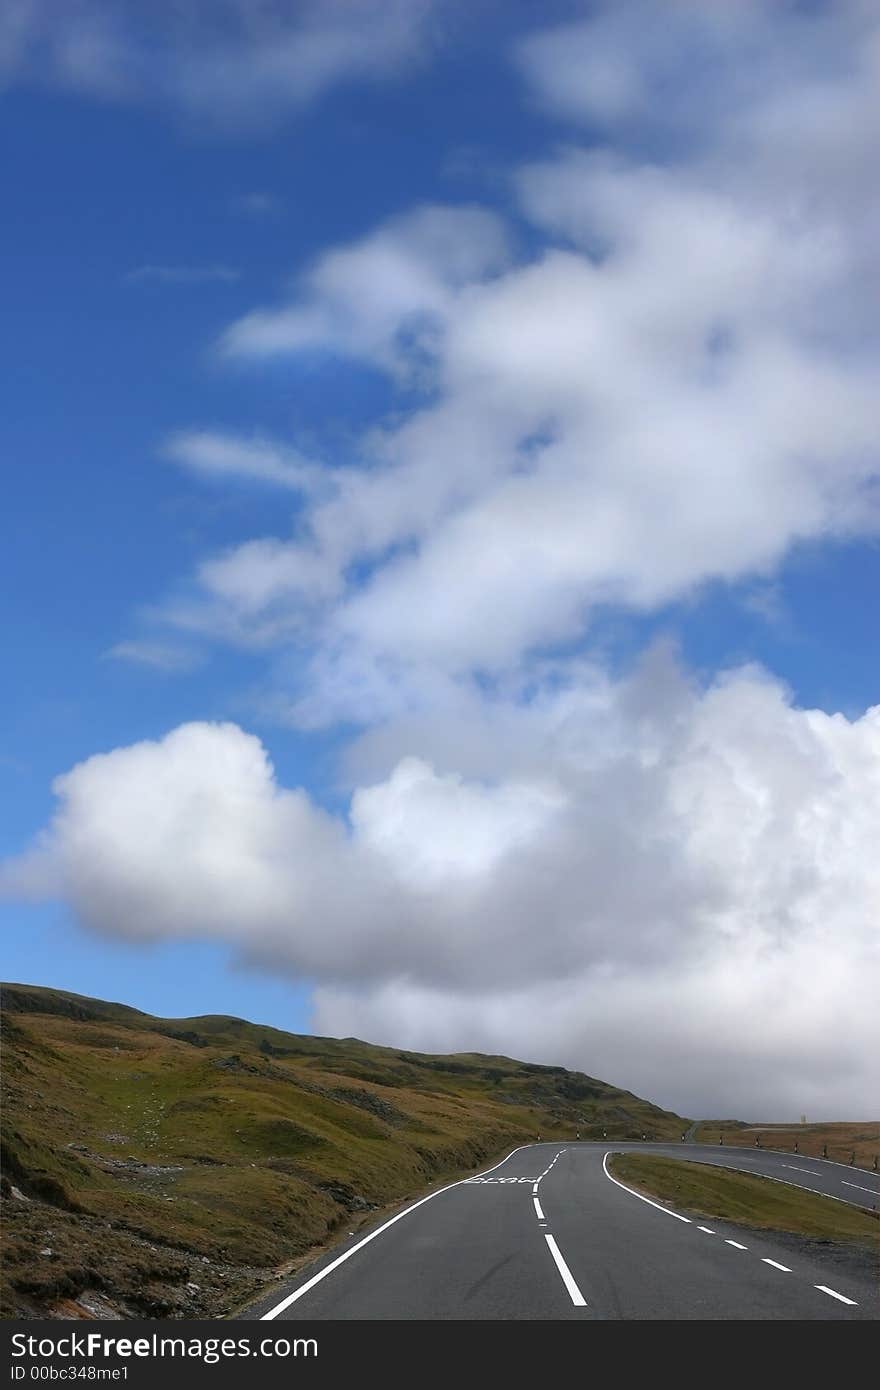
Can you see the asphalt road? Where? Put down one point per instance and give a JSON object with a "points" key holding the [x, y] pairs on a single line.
{"points": [[547, 1234]]}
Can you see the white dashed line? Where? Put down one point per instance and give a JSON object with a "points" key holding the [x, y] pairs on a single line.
{"points": [[823, 1288], [794, 1169], [873, 1191], [546, 1171], [535, 1188], [538, 1212], [574, 1292]]}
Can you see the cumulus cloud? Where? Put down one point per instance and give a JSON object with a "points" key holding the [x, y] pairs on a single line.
{"points": [[664, 372], [673, 887], [235, 63]]}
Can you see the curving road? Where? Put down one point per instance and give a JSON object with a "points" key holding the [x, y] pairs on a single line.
{"points": [[548, 1234]]}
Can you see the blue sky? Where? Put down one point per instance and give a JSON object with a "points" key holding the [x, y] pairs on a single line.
{"points": [[448, 439]]}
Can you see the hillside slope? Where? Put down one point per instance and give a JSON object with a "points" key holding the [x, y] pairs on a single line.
{"points": [[169, 1167]]}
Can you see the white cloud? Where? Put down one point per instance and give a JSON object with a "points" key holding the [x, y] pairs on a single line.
{"points": [[216, 455], [258, 205], [233, 63], [160, 656], [673, 888], [381, 298], [264, 578], [767, 601], [182, 275], [414, 823], [634, 67], [678, 386]]}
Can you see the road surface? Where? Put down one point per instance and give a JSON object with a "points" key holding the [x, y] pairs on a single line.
{"points": [[548, 1234]]}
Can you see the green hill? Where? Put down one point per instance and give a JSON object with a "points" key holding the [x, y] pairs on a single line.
{"points": [[171, 1166]]}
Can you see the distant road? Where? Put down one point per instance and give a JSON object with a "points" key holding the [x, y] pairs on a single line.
{"points": [[547, 1234]]}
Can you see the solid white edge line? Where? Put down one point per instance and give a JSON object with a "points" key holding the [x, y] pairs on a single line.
{"points": [[823, 1288], [347, 1254], [565, 1274], [736, 1244], [776, 1265], [633, 1193], [538, 1212]]}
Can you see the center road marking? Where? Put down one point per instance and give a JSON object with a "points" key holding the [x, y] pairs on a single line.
{"points": [[574, 1292], [776, 1265], [736, 1245], [873, 1191], [546, 1170], [795, 1169], [706, 1229], [538, 1212]]}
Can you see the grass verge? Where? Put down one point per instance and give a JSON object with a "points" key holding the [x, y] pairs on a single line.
{"points": [[745, 1199]]}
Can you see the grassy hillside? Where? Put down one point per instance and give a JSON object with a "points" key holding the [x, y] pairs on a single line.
{"points": [[171, 1166]]}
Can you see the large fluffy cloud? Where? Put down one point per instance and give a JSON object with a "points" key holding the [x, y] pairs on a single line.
{"points": [[655, 367], [672, 886], [677, 384]]}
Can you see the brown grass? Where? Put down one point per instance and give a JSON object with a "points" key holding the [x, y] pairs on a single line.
{"points": [[844, 1141], [703, 1189]]}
